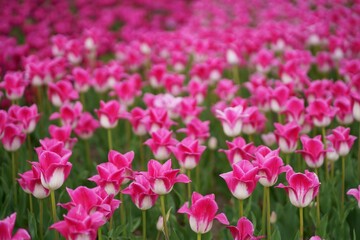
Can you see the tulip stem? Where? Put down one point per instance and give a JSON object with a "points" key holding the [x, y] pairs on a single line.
{"points": [[268, 212], [87, 153], [263, 220], [189, 186], [162, 201], [109, 139], [301, 223], [332, 169], [41, 220], [122, 212], [241, 207], [99, 234], [287, 158], [31, 204], [342, 184], [326, 160], [235, 71], [53, 207], [29, 146], [359, 152], [317, 205], [128, 135], [144, 224], [142, 158], [199, 236], [197, 172], [14, 170]]}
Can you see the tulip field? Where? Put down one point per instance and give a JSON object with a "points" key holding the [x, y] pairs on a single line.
{"points": [[182, 119]]}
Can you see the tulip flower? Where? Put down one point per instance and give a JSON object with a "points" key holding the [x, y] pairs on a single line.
{"points": [[278, 98], [78, 224], [160, 143], [27, 117], [302, 188], [244, 230], [313, 151], [109, 177], [232, 120], [157, 118], [226, 89], [341, 140], [30, 182], [109, 114], [86, 126], [69, 114], [63, 134], [136, 119], [3, 121], [254, 122], [355, 193], [82, 79], [188, 152], [188, 109], [13, 137], [197, 129], [7, 226], [321, 112], [122, 161], [239, 150], [92, 200], [295, 110], [287, 136], [61, 92], [14, 85], [202, 213]]}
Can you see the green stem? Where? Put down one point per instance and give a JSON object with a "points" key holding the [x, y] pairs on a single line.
{"points": [[109, 139], [144, 224], [87, 153], [122, 212], [99, 234], [29, 146], [199, 236], [317, 205], [53, 207], [326, 160], [263, 220], [301, 223], [241, 207], [236, 77], [162, 201], [359, 152], [189, 187], [197, 171], [342, 184], [41, 220], [251, 138], [31, 205], [268, 212], [14, 170], [128, 135], [142, 155], [287, 159]]}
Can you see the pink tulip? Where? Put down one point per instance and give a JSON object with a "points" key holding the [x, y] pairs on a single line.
{"points": [[53, 168], [320, 112], [242, 180], [302, 188], [254, 122], [156, 75], [188, 109], [174, 83], [141, 194], [244, 230], [160, 143], [313, 151], [295, 110], [109, 113], [268, 138], [188, 152], [93, 200], [356, 105], [315, 238], [61, 92], [128, 89], [14, 85], [86, 126], [69, 114], [278, 98], [287, 136], [7, 226], [109, 177], [162, 177], [13, 137], [82, 79], [355, 193], [344, 114], [156, 119], [197, 129], [136, 119], [202, 212], [101, 80], [78, 224], [239, 150], [27, 117], [232, 120], [226, 89], [62, 134], [30, 182], [197, 90], [270, 165], [122, 161], [52, 145], [341, 140]]}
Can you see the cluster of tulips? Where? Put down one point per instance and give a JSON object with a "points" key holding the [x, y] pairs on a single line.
{"points": [[104, 103]]}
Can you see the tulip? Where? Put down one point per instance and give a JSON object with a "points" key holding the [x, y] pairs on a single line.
{"points": [[82, 79], [188, 152], [226, 89], [86, 126], [7, 227], [232, 120], [78, 224], [14, 85], [341, 140], [197, 129], [239, 150], [69, 114], [355, 193], [287, 136], [30, 182], [63, 134], [313, 151], [254, 122], [161, 143], [157, 118], [61, 92], [244, 230], [27, 117], [13, 137], [109, 113], [202, 213], [3, 121], [321, 112], [188, 109], [295, 110]]}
